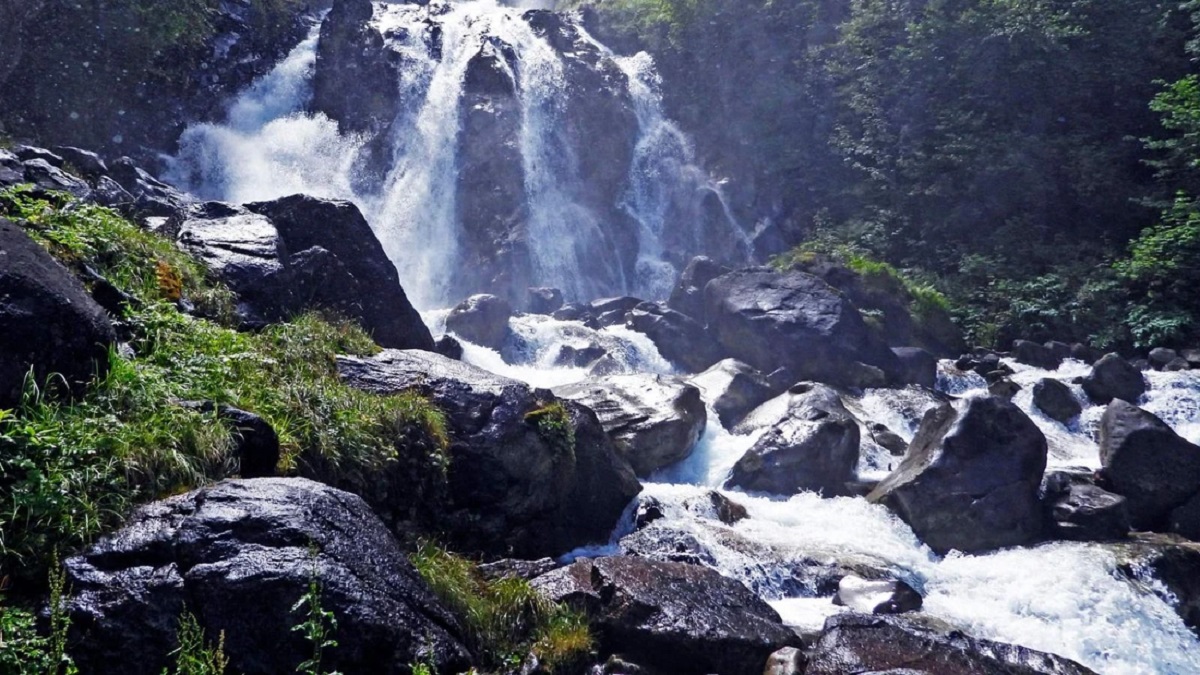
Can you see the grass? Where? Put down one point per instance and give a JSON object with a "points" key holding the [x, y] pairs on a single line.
{"points": [[505, 619], [71, 470], [554, 425]]}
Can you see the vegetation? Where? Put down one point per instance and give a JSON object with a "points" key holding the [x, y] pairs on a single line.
{"points": [[319, 624], [22, 649], [505, 619], [554, 424], [195, 656], [70, 470]]}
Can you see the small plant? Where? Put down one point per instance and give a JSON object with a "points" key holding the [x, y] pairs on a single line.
{"points": [[553, 423], [319, 624], [22, 649], [194, 656]]}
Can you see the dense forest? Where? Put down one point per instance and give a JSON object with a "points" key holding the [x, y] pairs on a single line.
{"points": [[1035, 160]]}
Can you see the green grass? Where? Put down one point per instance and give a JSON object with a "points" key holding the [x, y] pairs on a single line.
{"points": [[71, 470], [505, 619], [554, 426]]}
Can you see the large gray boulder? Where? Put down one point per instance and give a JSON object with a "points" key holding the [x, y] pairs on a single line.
{"points": [[238, 556], [1080, 510], [654, 420], [794, 321], [971, 478], [814, 447], [678, 337], [1056, 400], [684, 619], [1144, 460], [733, 389], [688, 295], [1113, 377], [518, 484], [48, 322], [482, 319]]}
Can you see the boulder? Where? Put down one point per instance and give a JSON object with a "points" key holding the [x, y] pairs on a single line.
{"points": [[1056, 400], [1185, 520], [1144, 460], [87, 163], [238, 556], [917, 366], [1059, 350], [518, 486], [795, 321], [876, 596], [448, 347], [1172, 563], [48, 322], [1004, 388], [1079, 510], [654, 420], [887, 439], [1192, 356], [152, 197], [684, 619], [733, 389], [678, 337], [688, 295], [49, 178], [1159, 357], [1032, 354], [786, 661], [544, 300], [858, 643], [1085, 353], [1113, 377], [482, 319], [971, 478], [814, 447], [1177, 364], [579, 356]]}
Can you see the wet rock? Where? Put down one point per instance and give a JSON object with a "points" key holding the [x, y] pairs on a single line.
{"points": [[107, 192], [620, 304], [971, 478], [857, 643], [579, 357], [887, 439], [733, 389], [1159, 357], [1167, 566], [917, 366], [1056, 400], [571, 312], [28, 153], [1059, 350], [649, 510], [815, 447], [685, 619], [238, 556], [544, 300], [678, 337], [1192, 356], [878, 596], [513, 488], [1113, 377], [688, 295], [604, 366], [1177, 364], [482, 319], [256, 443], [1032, 354], [1185, 520], [48, 322], [1081, 511], [49, 178], [786, 661], [87, 163], [1147, 462], [1004, 388], [1085, 353], [448, 347], [654, 420], [517, 569], [795, 321], [152, 197]]}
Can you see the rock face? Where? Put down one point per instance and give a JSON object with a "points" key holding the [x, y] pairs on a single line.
{"points": [[1056, 400], [971, 477], [734, 389], [685, 619], [794, 321], [679, 338], [482, 319], [856, 643], [515, 488], [48, 322], [297, 253], [688, 295], [654, 420], [814, 447], [1113, 377], [1147, 462], [1081, 511], [237, 556]]}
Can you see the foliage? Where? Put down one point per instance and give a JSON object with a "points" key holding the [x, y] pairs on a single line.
{"points": [[319, 625], [22, 649], [554, 424], [505, 619], [69, 470], [1163, 272], [194, 656]]}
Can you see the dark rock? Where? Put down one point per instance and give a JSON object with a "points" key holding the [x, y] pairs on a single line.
{"points": [[351, 60], [1032, 354], [858, 643], [1147, 462], [877, 596], [257, 444], [733, 389], [514, 490], [688, 294], [1185, 520], [1114, 377], [786, 661], [815, 447], [448, 347], [654, 420], [725, 509], [917, 366], [685, 619], [677, 336], [604, 366], [152, 197], [794, 321], [1059, 350], [648, 511], [1081, 511], [1174, 565], [971, 477], [517, 569], [1056, 400], [48, 323], [87, 163], [237, 556], [1159, 357], [1004, 388], [107, 192], [1177, 364], [339, 227], [1192, 356], [544, 300], [482, 319], [571, 312], [887, 439], [616, 317], [619, 304], [579, 357], [1085, 353], [1141, 364], [47, 177]]}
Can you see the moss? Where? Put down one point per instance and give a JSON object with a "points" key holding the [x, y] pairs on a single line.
{"points": [[553, 422], [505, 619]]}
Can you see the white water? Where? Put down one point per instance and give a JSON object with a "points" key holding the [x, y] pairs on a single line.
{"points": [[271, 146]]}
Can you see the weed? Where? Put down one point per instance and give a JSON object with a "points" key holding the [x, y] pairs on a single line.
{"points": [[553, 423], [319, 624], [194, 656]]}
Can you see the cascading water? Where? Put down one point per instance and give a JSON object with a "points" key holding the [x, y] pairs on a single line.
{"points": [[273, 144]]}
